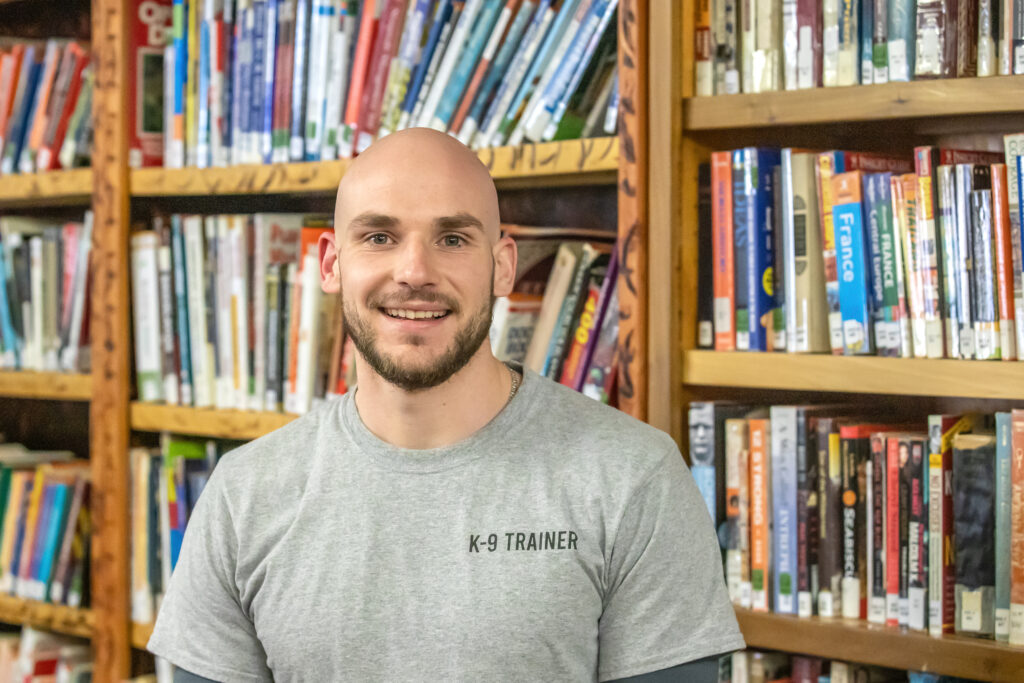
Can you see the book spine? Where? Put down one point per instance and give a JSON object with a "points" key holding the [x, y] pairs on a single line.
{"points": [[146, 312], [407, 58], [181, 305], [902, 48], [724, 29], [986, 319], [337, 81], [202, 373], [296, 150], [358, 76], [904, 205], [168, 340], [272, 395], [831, 10], [928, 245], [917, 532], [724, 274], [389, 33], [737, 580], [852, 465], [239, 310], [935, 36], [953, 311], [828, 165], [885, 296], [830, 569], [1013, 146], [703, 49], [702, 452], [877, 597], [974, 499], [1004, 272], [795, 322], [854, 276], [219, 278], [849, 51], [322, 25], [892, 533], [988, 16], [760, 515], [903, 474], [1016, 528], [1004, 492], [808, 49], [865, 28], [206, 47], [784, 420], [440, 23]]}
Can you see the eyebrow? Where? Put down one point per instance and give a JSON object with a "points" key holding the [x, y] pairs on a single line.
{"points": [[372, 220]]}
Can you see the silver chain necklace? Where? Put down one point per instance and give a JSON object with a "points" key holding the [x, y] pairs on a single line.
{"points": [[515, 383]]}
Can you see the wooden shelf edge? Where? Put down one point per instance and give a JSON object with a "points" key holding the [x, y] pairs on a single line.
{"points": [[916, 99], [141, 634], [52, 187], [59, 618], [856, 374], [568, 159], [223, 424], [56, 386], [860, 641]]}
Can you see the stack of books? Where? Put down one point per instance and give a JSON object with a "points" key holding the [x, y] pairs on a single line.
{"points": [[34, 656], [826, 511], [261, 81], [45, 105], [859, 253], [44, 294], [765, 45], [756, 666]]}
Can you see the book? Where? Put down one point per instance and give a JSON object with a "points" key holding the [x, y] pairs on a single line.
{"points": [[145, 315], [830, 570], [760, 516], [986, 317], [1002, 243], [974, 466], [705, 277], [723, 271], [852, 262], [1016, 635], [1003, 495], [708, 452]]}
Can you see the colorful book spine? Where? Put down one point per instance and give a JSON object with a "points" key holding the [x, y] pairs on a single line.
{"points": [[917, 535], [904, 207], [807, 517], [737, 472], [1004, 271], [440, 24], [986, 315], [928, 247], [724, 29], [955, 312], [877, 584], [760, 515], [181, 304], [809, 47], [853, 264], [702, 452], [830, 554], [892, 531], [783, 458], [724, 282], [830, 164]]}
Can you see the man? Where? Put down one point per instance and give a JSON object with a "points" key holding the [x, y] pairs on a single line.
{"points": [[453, 517]]}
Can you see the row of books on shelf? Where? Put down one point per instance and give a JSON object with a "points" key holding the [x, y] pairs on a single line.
{"points": [[228, 312], [260, 81], [824, 511], [765, 45], [44, 293], [860, 253], [45, 105], [45, 525], [759, 666], [36, 656]]}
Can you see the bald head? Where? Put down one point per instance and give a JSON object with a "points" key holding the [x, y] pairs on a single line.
{"points": [[421, 173]]}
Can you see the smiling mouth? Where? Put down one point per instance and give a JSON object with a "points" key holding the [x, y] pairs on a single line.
{"points": [[408, 314]]}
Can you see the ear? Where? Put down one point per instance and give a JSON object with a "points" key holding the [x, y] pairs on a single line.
{"points": [[330, 274], [506, 255]]}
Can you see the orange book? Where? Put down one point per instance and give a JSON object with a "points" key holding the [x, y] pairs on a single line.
{"points": [[310, 236], [1004, 262], [760, 515], [1017, 528], [34, 138], [724, 276], [10, 72], [20, 481], [31, 522], [357, 78]]}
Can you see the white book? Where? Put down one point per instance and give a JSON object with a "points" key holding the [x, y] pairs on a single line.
{"points": [[309, 333], [830, 43], [259, 234], [337, 80], [451, 56], [323, 25], [69, 354], [146, 315], [554, 294], [219, 246], [747, 19], [201, 355], [142, 598], [265, 132], [218, 153], [790, 45], [238, 251], [165, 281], [34, 344]]}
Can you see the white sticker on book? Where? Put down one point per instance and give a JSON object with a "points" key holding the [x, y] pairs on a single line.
{"points": [[826, 607], [892, 608], [876, 611], [898, 70], [1016, 624], [705, 334], [970, 610], [742, 341], [732, 82], [966, 343], [917, 608], [1018, 60], [723, 315], [934, 616], [1002, 622], [929, 59], [746, 591], [805, 59], [804, 604]]}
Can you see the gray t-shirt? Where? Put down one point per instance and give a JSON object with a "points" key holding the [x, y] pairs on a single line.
{"points": [[564, 540]]}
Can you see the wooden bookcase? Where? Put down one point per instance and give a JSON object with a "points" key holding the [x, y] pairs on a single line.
{"points": [[684, 130], [118, 194]]}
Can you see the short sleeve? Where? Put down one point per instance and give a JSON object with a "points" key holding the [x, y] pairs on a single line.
{"points": [[665, 600], [201, 626]]}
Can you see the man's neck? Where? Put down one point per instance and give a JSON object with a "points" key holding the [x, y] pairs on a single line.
{"points": [[436, 417]]}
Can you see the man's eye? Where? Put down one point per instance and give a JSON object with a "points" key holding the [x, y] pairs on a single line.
{"points": [[378, 238], [453, 241]]}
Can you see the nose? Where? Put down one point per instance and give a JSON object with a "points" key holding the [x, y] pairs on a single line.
{"points": [[415, 267]]}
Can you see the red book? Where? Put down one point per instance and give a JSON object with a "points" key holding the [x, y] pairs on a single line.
{"points": [[360, 65], [892, 530], [496, 39], [724, 278], [10, 71], [389, 32], [1004, 262], [962, 156], [149, 34], [47, 160], [283, 66]]}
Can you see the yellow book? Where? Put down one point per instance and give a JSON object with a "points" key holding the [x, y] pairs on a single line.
{"points": [[31, 520], [14, 505], [192, 87], [142, 602]]}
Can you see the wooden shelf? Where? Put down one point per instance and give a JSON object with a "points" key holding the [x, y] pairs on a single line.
{"points": [[571, 159], [863, 374], [59, 618], [224, 424], [917, 99], [859, 641], [46, 385], [52, 188], [141, 634]]}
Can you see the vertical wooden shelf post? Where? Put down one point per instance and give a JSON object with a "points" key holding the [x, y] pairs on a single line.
{"points": [[632, 198], [108, 419]]}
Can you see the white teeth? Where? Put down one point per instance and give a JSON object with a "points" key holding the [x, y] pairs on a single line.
{"points": [[413, 315]]}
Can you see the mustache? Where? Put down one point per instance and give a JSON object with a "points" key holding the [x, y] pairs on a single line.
{"points": [[397, 300]]}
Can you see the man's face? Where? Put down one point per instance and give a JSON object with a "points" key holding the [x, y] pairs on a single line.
{"points": [[417, 281]]}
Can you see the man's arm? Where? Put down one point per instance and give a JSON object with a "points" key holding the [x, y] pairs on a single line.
{"points": [[699, 671]]}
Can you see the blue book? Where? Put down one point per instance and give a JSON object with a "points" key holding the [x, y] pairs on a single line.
{"points": [[902, 32], [26, 586], [521, 61], [442, 15], [203, 122], [866, 28], [256, 101], [52, 539], [579, 49], [18, 125], [500, 64], [180, 36], [557, 110], [270, 39], [181, 308], [246, 67], [466, 64], [753, 217], [707, 456], [8, 337], [533, 74], [227, 90], [852, 263], [1004, 491], [785, 422], [19, 534], [297, 149]]}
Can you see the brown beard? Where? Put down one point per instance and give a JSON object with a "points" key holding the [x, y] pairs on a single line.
{"points": [[466, 343]]}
